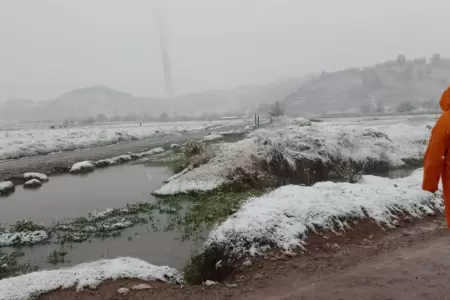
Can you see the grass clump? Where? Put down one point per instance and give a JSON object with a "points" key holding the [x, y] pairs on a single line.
{"points": [[26, 226], [349, 172], [10, 265], [57, 256], [193, 148]]}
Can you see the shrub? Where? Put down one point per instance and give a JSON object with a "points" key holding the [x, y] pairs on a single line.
{"points": [[193, 148]]}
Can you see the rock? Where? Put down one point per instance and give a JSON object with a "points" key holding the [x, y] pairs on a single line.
{"points": [[175, 146], [142, 286], [233, 285], [210, 283], [33, 183], [123, 291]]}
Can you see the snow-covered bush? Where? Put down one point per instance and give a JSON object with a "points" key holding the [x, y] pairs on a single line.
{"points": [[192, 148], [288, 151]]}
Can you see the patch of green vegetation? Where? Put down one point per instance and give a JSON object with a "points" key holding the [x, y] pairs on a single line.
{"points": [[82, 229], [57, 256], [206, 210], [26, 226], [174, 161], [74, 237], [10, 265]]}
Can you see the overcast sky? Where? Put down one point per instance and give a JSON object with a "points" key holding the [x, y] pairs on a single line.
{"points": [[48, 47]]}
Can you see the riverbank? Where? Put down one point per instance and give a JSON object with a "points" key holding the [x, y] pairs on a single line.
{"points": [[408, 263]]}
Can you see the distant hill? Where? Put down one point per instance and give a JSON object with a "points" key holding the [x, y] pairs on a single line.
{"points": [[92, 101], [417, 84]]}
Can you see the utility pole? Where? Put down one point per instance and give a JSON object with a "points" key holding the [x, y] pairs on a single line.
{"points": [[165, 58]]}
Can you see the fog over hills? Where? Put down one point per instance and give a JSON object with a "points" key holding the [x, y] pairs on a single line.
{"points": [[388, 86], [92, 101], [395, 85]]}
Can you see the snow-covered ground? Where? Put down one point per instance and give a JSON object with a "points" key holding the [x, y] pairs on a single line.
{"points": [[87, 275], [384, 120], [23, 238], [88, 166], [282, 217], [297, 140], [29, 142]]}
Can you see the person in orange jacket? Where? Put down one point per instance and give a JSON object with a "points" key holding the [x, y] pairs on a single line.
{"points": [[436, 160]]}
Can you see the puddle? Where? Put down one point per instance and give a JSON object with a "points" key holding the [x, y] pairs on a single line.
{"points": [[75, 196], [70, 196]]}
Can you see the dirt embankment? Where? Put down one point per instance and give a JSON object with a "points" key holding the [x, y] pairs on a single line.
{"points": [[408, 263]]}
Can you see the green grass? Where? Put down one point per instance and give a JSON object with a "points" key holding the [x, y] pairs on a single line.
{"points": [[204, 210]]}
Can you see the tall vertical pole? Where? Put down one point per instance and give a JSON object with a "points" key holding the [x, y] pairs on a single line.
{"points": [[165, 58]]}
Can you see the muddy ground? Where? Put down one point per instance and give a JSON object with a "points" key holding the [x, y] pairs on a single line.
{"points": [[408, 263]]}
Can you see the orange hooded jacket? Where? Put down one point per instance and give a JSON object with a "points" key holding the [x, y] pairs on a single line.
{"points": [[437, 161]]}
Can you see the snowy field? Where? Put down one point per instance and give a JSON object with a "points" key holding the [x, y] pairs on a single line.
{"points": [[38, 141], [282, 217], [384, 120], [391, 143]]}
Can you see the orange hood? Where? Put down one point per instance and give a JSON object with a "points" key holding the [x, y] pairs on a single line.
{"points": [[445, 100]]}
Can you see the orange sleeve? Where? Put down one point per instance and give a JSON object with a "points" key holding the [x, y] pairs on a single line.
{"points": [[435, 154]]}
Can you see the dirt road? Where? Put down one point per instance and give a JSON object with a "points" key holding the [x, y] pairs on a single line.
{"points": [[408, 264]]}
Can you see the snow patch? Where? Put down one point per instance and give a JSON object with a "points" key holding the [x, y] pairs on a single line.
{"points": [[39, 176], [82, 166], [125, 158], [282, 217], [22, 238], [33, 183], [86, 275], [213, 137], [152, 151]]}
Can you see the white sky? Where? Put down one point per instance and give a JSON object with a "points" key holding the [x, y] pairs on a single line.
{"points": [[48, 47]]}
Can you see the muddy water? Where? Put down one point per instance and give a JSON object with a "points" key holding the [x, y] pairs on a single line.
{"points": [[70, 196], [397, 173], [158, 248], [75, 196]]}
